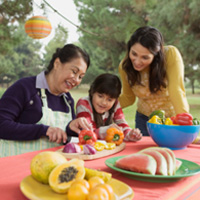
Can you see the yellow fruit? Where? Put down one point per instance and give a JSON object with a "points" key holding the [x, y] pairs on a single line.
{"points": [[93, 172], [82, 182], [98, 193], [94, 181], [108, 188], [77, 192], [43, 163], [62, 176]]}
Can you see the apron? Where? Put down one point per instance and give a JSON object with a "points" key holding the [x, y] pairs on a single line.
{"points": [[49, 118]]}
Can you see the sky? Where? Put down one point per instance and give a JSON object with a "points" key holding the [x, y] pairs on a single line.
{"points": [[65, 7]]}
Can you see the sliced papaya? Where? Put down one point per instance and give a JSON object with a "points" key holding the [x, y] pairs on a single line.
{"points": [[62, 176]]}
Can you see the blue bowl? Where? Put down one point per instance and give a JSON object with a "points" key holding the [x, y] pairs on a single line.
{"points": [[173, 136]]}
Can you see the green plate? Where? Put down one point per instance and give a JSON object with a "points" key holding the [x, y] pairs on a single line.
{"points": [[187, 169]]}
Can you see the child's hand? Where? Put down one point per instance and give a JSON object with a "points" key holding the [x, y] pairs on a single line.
{"points": [[135, 135]]}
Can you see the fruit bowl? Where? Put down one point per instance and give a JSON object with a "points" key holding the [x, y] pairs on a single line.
{"points": [[173, 136]]}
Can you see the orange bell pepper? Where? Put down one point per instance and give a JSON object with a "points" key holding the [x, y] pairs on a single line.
{"points": [[114, 135]]}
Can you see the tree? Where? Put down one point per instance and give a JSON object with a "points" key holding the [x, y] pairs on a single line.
{"points": [[24, 60], [11, 13], [179, 22], [59, 40], [111, 23]]}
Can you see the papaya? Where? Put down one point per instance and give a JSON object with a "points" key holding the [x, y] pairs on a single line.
{"points": [[62, 176], [43, 163], [93, 172]]}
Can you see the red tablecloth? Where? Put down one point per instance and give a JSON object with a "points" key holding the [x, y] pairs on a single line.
{"points": [[14, 168]]}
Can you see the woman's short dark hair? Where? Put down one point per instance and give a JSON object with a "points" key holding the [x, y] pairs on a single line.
{"points": [[67, 53], [152, 39], [110, 85]]}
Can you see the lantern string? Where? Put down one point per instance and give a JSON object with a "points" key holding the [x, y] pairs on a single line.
{"points": [[70, 20]]}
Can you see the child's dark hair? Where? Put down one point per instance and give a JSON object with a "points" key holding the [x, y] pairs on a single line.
{"points": [[66, 54], [110, 85]]}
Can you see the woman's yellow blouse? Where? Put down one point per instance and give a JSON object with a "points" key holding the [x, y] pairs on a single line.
{"points": [[171, 99]]}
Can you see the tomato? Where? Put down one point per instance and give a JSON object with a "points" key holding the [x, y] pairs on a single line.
{"points": [[94, 181], [98, 193], [77, 192], [108, 188]]}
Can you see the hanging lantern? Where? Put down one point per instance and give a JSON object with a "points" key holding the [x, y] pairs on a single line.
{"points": [[38, 27]]}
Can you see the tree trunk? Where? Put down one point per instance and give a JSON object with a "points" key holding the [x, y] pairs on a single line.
{"points": [[192, 83]]}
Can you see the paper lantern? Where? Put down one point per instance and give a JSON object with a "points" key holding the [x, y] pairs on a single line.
{"points": [[38, 27]]}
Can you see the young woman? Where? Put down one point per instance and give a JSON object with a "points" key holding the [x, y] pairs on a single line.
{"points": [[154, 75], [103, 110], [38, 112]]}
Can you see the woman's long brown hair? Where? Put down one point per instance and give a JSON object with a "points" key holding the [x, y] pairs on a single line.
{"points": [[151, 39]]}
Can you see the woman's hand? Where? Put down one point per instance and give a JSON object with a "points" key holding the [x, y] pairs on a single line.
{"points": [[56, 135], [135, 135], [79, 124]]}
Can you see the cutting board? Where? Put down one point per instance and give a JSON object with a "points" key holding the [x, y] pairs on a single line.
{"points": [[99, 154]]}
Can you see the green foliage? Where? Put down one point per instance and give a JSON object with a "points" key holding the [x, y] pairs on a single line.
{"points": [[111, 22], [11, 13], [60, 39], [23, 61], [179, 22]]}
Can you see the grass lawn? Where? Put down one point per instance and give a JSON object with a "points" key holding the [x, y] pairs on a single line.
{"points": [[129, 112]]}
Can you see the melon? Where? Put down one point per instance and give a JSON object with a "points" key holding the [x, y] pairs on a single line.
{"points": [[168, 157], [160, 159], [43, 163], [173, 158], [138, 162], [178, 164]]}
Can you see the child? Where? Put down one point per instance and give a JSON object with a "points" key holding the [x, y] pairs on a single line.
{"points": [[102, 109]]}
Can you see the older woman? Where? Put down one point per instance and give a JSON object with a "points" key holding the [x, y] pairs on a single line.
{"points": [[38, 112]]}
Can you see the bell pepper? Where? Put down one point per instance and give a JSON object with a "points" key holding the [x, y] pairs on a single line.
{"points": [[195, 121], [155, 120], [110, 146], [168, 121], [174, 120], [184, 119], [159, 113], [87, 137], [114, 135], [99, 146]]}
